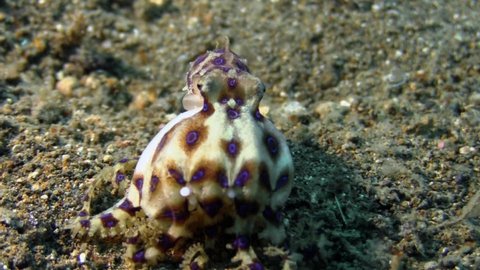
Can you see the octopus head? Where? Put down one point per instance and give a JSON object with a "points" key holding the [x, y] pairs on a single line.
{"points": [[221, 76]]}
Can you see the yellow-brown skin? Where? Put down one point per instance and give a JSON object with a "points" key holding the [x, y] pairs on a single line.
{"points": [[219, 159]]}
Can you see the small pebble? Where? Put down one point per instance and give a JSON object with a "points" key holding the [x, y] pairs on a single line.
{"points": [[431, 265], [44, 197], [35, 187], [466, 149], [82, 258], [295, 108], [65, 86], [107, 158], [65, 158], [396, 78], [33, 175]]}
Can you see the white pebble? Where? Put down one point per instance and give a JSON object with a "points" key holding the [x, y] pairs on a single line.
{"points": [[82, 258], [466, 149]]}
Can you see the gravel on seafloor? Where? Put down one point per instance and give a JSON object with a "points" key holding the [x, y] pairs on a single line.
{"points": [[380, 101]]}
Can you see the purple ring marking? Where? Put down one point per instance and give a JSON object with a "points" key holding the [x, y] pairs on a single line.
{"points": [[85, 223], [198, 175], [153, 183], [108, 220], [222, 180], [139, 256], [281, 182], [192, 137], [239, 101], [224, 69], [219, 61], [233, 114], [177, 176], [241, 242], [224, 100], [205, 107], [232, 148], [200, 59], [119, 177], [241, 66], [82, 214], [272, 145], [139, 183], [256, 266], [232, 83], [242, 178], [127, 206]]}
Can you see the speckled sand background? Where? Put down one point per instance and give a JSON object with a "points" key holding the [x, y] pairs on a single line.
{"points": [[380, 101]]}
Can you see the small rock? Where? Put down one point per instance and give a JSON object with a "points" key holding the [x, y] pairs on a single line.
{"points": [[65, 158], [107, 158], [264, 110], [395, 78], [157, 2], [466, 149], [65, 86], [431, 265], [35, 187], [324, 108], [294, 108], [82, 258], [33, 175]]}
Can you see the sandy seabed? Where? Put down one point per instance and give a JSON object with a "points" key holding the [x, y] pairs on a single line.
{"points": [[380, 102]]}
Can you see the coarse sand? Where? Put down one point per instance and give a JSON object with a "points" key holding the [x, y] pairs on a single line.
{"points": [[379, 100]]}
